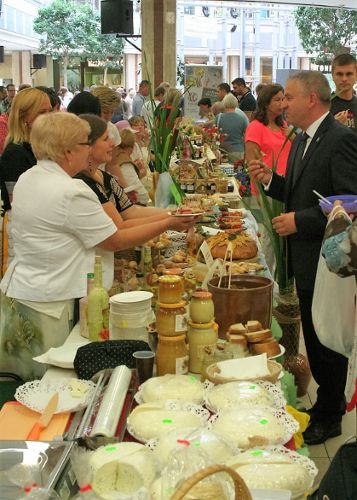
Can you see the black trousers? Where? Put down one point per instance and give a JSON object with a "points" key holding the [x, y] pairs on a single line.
{"points": [[328, 367]]}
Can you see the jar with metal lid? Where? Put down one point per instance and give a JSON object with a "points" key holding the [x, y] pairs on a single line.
{"points": [[200, 336], [171, 355], [171, 319], [170, 289], [201, 307]]}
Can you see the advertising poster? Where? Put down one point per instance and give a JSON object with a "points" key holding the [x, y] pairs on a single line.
{"points": [[202, 81]]}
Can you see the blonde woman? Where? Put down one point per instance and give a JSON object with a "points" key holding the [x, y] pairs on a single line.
{"points": [[58, 222], [18, 156]]}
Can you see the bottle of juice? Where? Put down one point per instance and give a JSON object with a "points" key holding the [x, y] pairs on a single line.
{"points": [[98, 306]]}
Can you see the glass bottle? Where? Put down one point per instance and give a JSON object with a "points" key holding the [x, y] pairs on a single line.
{"points": [[201, 307], [83, 307], [98, 306]]}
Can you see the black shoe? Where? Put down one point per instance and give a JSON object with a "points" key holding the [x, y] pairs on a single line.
{"points": [[319, 431]]}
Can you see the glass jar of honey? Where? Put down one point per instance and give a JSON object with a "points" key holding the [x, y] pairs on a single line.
{"points": [[172, 355], [201, 307], [171, 319], [170, 289], [200, 336]]}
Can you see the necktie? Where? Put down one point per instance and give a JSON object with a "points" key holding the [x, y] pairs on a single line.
{"points": [[299, 156]]}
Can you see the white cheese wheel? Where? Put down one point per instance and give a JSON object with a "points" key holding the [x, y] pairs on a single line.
{"points": [[250, 427], [293, 477], [258, 456], [182, 387], [150, 421], [238, 394], [122, 467], [215, 446]]}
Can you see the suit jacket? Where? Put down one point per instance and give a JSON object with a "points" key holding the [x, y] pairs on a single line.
{"points": [[330, 167]]}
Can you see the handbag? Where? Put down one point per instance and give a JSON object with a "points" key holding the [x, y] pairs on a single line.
{"points": [[96, 356], [333, 305]]}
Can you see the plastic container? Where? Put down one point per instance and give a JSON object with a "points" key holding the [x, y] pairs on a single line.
{"points": [[171, 319], [249, 297], [171, 355], [170, 289], [200, 336], [201, 307]]}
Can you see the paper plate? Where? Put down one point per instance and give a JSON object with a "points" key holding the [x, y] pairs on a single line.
{"points": [[349, 203], [74, 395]]}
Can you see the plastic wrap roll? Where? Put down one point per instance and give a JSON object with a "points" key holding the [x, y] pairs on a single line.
{"points": [[112, 403]]}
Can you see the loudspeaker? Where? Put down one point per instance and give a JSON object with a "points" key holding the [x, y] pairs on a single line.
{"points": [[2, 54], [117, 17], [39, 61]]}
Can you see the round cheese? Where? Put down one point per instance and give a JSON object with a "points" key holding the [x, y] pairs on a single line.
{"points": [[182, 387], [238, 395]]}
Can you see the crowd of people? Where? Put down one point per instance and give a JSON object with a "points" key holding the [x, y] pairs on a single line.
{"points": [[88, 193]]}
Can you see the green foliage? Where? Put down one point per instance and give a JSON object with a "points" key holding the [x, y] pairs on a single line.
{"points": [[180, 72], [69, 29], [326, 32]]}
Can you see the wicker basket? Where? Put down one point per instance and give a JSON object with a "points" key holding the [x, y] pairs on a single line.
{"points": [[274, 368], [241, 490]]}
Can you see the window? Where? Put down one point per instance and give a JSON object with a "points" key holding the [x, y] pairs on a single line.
{"points": [[189, 10], [10, 19]]}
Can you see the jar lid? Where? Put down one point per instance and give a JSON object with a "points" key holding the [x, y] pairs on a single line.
{"points": [[168, 338], [172, 306], [201, 325], [169, 278], [202, 294], [174, 271]]}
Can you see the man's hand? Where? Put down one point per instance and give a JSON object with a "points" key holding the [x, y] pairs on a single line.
{"points": [[259, 171], [284, 224], [342, 117]]}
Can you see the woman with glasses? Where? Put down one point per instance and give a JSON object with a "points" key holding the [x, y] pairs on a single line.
{"points": [[57, 224]]}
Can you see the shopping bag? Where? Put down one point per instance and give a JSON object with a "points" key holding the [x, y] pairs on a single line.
{"points": [[334, 309], [163, 195]]}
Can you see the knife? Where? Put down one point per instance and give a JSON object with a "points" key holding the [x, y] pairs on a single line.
{"points": [[44, 420]]}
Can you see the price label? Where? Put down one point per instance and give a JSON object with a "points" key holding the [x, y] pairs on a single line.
{"points": [[206, 252]]}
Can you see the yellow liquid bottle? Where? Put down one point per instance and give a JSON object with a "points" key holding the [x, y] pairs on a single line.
{"points": [[98, 306]]}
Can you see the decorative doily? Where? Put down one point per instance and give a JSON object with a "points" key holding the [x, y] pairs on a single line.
{"points": [[74, 395], [259, 414], [272, 389], [173, 405], [178, 240]]}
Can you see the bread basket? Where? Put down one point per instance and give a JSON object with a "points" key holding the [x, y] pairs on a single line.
{"points": [[241, 490], [212, 374]]}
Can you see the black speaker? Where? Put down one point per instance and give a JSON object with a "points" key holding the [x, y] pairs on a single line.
{"points": [[117, 17], [2, 54], [39, 61]]}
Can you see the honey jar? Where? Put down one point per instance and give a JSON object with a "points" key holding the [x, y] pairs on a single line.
{"points": [[172, 355], [201, 307], [170, 289], [200, 336], [171, 319]]}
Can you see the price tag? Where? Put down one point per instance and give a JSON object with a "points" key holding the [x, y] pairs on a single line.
{"points": [[206, 252]]}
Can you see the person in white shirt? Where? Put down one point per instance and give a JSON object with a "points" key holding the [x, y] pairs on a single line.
{"points": [[140, 97], [148, 110], [57, 223]]}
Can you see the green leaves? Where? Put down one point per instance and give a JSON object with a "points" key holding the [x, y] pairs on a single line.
{"points": [[326, 31]]}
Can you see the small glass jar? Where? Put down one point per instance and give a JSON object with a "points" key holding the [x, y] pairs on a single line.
{"points": [[201, 307], [200, 336], [170, 289], [171, 355], [171, 319]]}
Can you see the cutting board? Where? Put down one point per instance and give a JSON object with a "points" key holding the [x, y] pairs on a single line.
{"points": [[16, 421]]}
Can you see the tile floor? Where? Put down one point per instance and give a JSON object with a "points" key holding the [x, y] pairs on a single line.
{"points": [[322, 454]]}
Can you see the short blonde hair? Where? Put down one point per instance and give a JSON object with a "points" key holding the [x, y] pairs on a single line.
{"points": [[109, 99], [26, 103], [217, 107], [230, 101], [127, 138], [54, 133]]}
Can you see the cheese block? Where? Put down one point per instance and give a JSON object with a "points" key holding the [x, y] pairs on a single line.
{"points": [[248, 427], [217, 448], [279, 476], [121, 467], [238, 395], [183, 387], [150, 420]]}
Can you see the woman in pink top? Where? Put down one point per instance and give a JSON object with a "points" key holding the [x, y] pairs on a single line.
{"points": [[266, 133]]}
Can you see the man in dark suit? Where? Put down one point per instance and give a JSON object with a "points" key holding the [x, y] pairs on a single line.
{"points": [[322, 158]]}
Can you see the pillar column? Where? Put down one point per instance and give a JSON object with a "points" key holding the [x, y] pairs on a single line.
{"points": [[158, 21]]}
